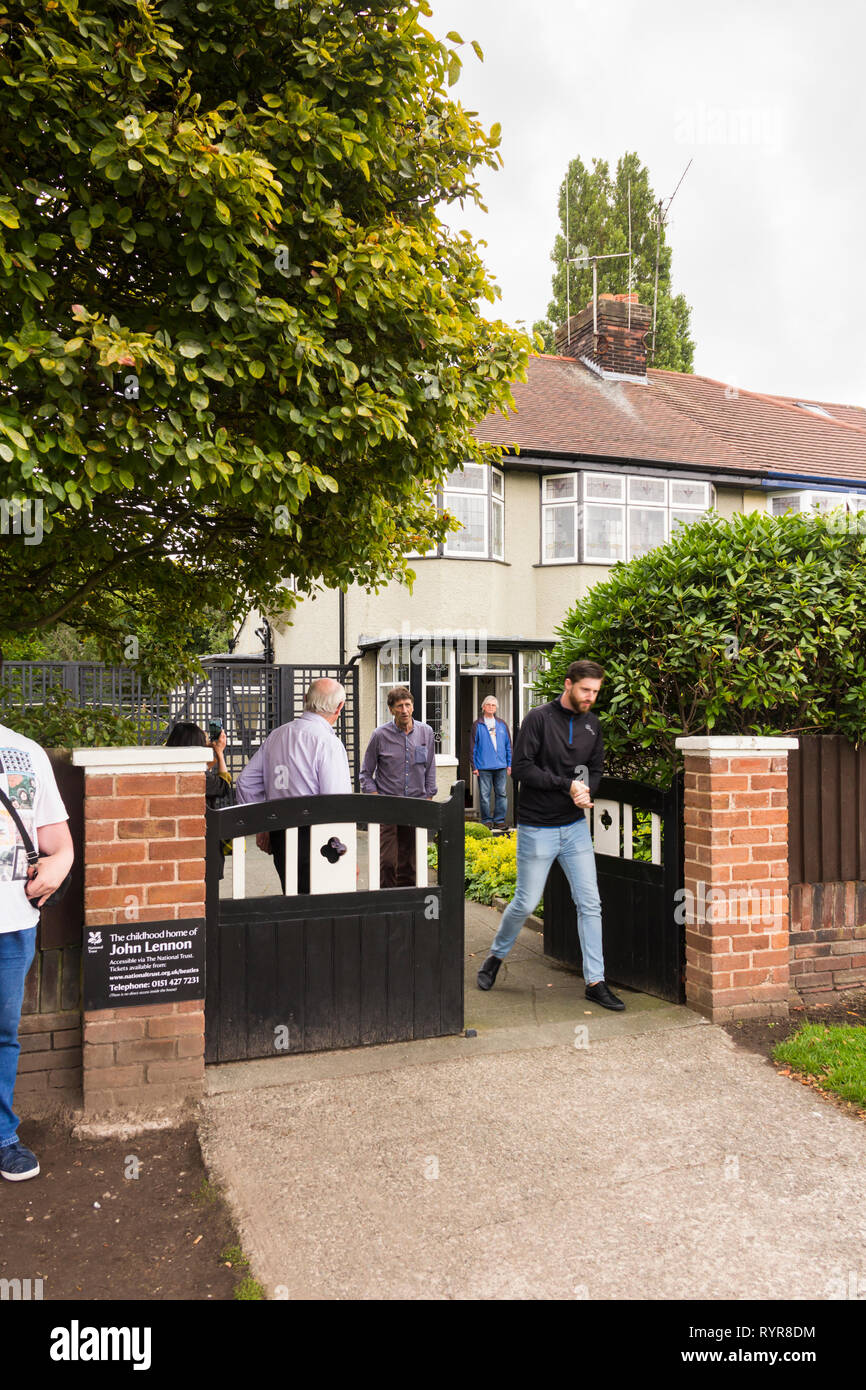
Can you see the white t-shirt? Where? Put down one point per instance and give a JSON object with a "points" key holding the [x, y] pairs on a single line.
{"points": [[490, 721], [28, 780]]}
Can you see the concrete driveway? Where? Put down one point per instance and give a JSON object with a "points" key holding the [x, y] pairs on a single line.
{"points": [[563, 1153]]}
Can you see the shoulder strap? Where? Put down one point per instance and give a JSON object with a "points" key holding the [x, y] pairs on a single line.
{"points": [[32, 855]]}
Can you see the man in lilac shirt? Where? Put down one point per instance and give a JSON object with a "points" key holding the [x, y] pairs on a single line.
{"points": [[302, 758], [400, 761]]}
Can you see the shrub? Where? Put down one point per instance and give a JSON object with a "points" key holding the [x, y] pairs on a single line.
{"points": [[755, 625], [477, 830], [491, 869], [491, 865], [59, 722]]}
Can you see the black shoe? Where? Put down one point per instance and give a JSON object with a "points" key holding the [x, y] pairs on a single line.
{"points": [[600, 994], [499, 825], [488, 972]]}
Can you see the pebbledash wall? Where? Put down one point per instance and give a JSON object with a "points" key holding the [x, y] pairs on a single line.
{"points": [[144, 852]]}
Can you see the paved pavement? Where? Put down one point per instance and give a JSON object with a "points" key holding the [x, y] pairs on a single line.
{"points": [[645, 1158]]}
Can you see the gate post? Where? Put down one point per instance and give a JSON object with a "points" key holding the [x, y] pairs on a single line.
{"points": [[736, 876], [144, 863]]}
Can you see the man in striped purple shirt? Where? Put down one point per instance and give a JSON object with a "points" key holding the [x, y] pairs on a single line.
{"points": [[400, 761]]}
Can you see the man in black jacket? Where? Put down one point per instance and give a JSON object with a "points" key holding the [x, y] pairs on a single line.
{"points": [[558, 762]]}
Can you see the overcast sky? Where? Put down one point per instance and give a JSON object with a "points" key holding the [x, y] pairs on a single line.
{"points": [[768, 99]]}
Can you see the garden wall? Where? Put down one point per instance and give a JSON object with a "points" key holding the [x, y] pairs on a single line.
{"points": [[827, 865]]}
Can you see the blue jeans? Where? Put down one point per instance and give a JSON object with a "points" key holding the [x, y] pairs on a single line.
{"points": [[16, 955], [537, 847], [493, 779]]}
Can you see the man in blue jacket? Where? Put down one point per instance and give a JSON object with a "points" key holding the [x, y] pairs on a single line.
{"points": [[490, 760]]}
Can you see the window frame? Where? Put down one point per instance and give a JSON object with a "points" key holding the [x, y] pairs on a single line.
{"points": [[493, 493], [444, 754], [621, 487], [383, 714], [525, 686], [548, 507], [851, 501]]}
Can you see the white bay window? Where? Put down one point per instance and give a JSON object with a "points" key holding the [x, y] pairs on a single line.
{"points": [[602, 518]]}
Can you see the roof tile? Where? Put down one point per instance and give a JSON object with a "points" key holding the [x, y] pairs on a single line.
{"points": [[677, 419]]}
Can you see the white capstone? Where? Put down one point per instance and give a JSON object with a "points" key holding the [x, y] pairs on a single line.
{"points": [[736, 743], [112, 762]]}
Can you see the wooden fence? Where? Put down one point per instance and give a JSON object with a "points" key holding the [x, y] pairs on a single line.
{"points": [[827, 811]]}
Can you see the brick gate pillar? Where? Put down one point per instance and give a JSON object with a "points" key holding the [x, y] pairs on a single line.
{"points": [[736, 876], [144, 861]]}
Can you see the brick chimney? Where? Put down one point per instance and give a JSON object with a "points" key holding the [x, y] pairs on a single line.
{"points": [[615, 351]]}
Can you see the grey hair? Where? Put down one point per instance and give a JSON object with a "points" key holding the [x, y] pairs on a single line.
{"points": [[491, 700], [324, 696]]}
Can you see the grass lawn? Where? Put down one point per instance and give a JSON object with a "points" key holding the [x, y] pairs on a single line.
{"points": [[835, 1057]]}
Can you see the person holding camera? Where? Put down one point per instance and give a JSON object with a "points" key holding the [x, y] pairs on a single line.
{"points": [[217, 778], [29, 799]]}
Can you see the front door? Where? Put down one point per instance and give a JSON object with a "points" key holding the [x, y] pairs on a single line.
{"points": [[474, 690]]}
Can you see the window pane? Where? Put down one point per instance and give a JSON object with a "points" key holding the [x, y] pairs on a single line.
{"points": [[646, 529], [560, 533], [603, 487], [471, 478], [827, 501], [498, 542], [681, 517], [485, 661], [532, 664], [686, 494], [471, 512], [437, 671], [780, 505], [392, 672], [497, 482], [437, 714], [604, 538], [560, 488], [647, 490]]}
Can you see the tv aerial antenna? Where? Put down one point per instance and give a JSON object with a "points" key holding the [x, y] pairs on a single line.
{"points": [[584, 260], [661, 217]]}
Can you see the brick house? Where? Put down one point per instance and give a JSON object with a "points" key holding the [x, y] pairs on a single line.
{"points": [[603, 458]]}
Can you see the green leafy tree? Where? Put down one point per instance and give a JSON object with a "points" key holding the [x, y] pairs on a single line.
{"points": [[58, 721], [236, 340], [751, 626], [207, 631], [598, 225], [61, 643]]}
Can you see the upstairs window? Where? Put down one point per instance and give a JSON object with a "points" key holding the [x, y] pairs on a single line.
{"points": [[813, 501], [601, 518], [475, 496]]}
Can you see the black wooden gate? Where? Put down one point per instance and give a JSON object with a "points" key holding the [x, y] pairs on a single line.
{"points": [[637, 832], [315, 971]]}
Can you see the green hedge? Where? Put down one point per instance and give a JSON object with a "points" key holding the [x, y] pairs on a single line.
{"points": [[61, 723], [755, 625], [491, 864]]}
